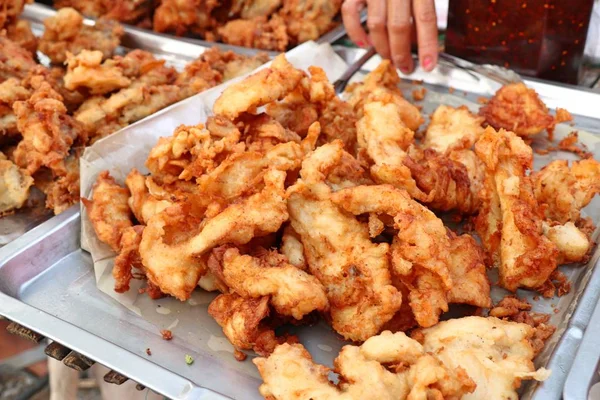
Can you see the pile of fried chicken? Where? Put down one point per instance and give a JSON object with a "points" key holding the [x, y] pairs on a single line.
{"points": [[293, 204], [263, 24], [49, 114]]}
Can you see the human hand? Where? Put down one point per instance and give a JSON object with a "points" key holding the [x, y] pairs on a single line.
{"points": [[390, 28]]}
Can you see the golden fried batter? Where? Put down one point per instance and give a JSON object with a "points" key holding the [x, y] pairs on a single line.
{"points": [[128, 257], [565, 191], [496, 354], [339, 252], [15, 61], [14, 186], [242, 323], [65, 32], [263, 87], [291, 292], [452, 128], [87, 70], [48, 131], [143, 205], [259, 32], [388, 366], [511, 217], [20, 32], [516, 108], [421, 250], [10, 10], [182, 16], [309, 19], [108, 210]]}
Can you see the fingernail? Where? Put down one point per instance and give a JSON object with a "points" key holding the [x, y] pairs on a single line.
{"points": [[360, 44], [427, 63], [405, 70]]}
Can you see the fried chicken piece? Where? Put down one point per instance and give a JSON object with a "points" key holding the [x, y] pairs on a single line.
{"points": [[291, 292], [194, 150], [387, 366], [257, 215], [516, 108], [295, 112], [382, 85], [452, 128], [470, 284], [163, 251], [475, 171], [573, 245], [242, 323], [61, 186], [133, 12], [11, 91], [65, 33], [184, 16], [339, 252], [15, 61], [262, 132], [10, 10], [496, 354], [128, 257], [309, 19], [104, 116], [48, 131], [87, 70], [445, 181], [197, 76], [565, 191], [292, 248], [385, 138], [526, 257], [263, 87], [108, 210], [421, 250], [21, 34], [14, 186], [259, 32], [511, 308], [248, 9], [143, 205]]}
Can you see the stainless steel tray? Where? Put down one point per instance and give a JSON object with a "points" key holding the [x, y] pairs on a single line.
{"points": [[47, 284], [175, 52], [329, 37]]}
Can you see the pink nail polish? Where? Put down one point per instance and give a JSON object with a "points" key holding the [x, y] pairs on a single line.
{"points": [[427, 63], [360, 44]]}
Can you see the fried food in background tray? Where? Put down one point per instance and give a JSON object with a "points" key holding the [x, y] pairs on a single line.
{"points": [[263, 24], [48, 114], [265, 204]]}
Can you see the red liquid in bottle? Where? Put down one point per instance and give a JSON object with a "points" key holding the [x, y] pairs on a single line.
{"points": [[539, 38]]}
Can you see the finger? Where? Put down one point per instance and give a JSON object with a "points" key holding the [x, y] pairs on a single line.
{"points": [[351, 17], [376, 21], [427, 33], [399, 30]]}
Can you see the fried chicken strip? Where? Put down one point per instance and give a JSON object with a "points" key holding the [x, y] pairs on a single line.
{"points": [[15, 61], [259, 32], [263, 87], [291, 292], [20, 32], [143, 205], [525, 256], [339, 252], [108, 210], [420, 253], [242, 322], [387, 366], [566, 190], [496, 354], [128, 257], [87, 70]]}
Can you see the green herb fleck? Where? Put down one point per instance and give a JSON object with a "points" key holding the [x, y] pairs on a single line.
{"points": [[188, 359]]}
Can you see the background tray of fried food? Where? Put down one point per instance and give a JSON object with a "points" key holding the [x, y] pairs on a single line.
{"points": [[269, 25], [151, 48], [40, 289]]}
